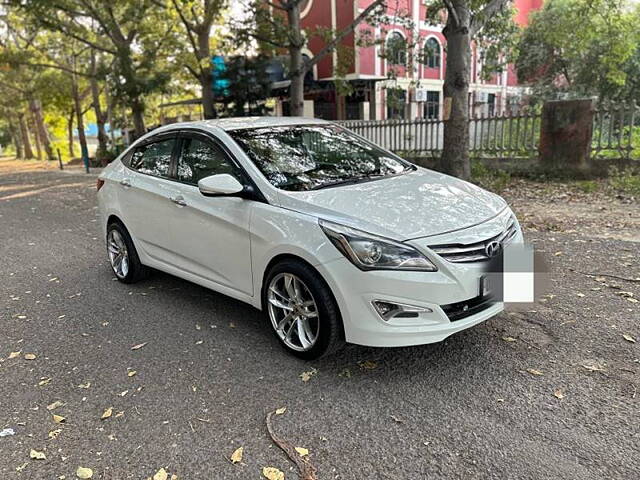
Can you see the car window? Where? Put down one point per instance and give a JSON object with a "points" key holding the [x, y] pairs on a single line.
{"points": [[200, 159], [310, 157], [154, 158]]}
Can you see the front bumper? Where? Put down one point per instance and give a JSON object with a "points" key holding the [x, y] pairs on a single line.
{"points": [[355, 291]]}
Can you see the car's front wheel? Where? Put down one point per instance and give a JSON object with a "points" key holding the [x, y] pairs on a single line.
{"points": [[123, 256], [302, 311]]}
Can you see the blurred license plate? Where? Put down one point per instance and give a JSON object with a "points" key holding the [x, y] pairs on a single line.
{"points": [[487, 289]]}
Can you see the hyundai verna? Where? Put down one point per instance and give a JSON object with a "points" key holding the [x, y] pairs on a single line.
{"points": [[335, 238]]}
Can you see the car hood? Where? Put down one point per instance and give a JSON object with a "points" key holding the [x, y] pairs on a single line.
{"points": [[413, 205]]}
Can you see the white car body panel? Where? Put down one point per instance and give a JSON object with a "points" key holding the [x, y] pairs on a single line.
{"points": [[228, 243]]}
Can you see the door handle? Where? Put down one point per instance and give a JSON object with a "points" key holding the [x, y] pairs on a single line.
{"points": [[125, 182], [179, 200]]}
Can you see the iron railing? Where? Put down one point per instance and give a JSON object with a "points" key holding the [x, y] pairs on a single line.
{"points": [[616, 134]]}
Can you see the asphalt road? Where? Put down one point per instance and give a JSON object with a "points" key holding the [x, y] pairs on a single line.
{"points": [[210, 370]]}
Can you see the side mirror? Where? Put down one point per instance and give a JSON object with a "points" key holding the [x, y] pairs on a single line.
{"points": [[221, 184]]}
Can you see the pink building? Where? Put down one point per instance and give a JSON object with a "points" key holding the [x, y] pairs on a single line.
{"points": [[416, 90]]}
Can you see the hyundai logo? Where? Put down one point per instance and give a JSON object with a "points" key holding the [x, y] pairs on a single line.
{"points": [[492, 249]]}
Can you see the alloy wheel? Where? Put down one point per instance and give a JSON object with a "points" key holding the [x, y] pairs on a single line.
{"points": [[293, 312], [118, 254]]}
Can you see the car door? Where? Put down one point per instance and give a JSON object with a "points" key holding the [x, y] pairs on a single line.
{"points": [[210, 236], [145, 194]]}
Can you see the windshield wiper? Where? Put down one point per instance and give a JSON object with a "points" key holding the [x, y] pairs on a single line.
{"points": [[348, 181]]}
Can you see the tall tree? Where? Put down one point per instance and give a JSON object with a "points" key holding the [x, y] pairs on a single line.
{"points": [[197, 18], [136, 33], [582, 48], [465, 22], [278, 24]]}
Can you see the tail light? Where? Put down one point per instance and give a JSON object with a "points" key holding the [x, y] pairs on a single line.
{"points": [[99, 184]]}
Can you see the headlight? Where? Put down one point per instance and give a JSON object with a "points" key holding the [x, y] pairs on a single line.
{"points": [[369, 252]]}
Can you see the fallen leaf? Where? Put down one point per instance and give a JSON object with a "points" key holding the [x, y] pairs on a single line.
{"points": [[580, 294], [107, 413], [15, 354], [139, 346], [272, 473], [58, 419], [119, 414], [533, 371], [306, 376], [122, 394], [22, 467], [131, 373], [54, 405], [161, 475], [55, 433], [593, 368], [236, 456], [280, 411], [346, 373], [508, 339], [84, 385], [36, 455], [629, 338], [84, 473], [558, 394], [303, 452], [29, 356], [232, 325], [368, 365], [44, 381]]}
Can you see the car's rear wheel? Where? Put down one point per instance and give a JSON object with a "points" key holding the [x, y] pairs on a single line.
{"points": [[302, 311], [123, 256]]}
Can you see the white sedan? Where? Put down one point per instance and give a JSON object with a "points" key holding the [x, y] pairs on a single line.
{"points": [[335, 238]]}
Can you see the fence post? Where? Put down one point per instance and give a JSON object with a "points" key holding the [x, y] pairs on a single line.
{"points": [[59, 159], [566, 130]]}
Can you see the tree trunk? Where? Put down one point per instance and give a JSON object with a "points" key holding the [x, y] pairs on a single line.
{"points": [[31, 123], [24, 133], [296, 64], [206, 78], [137, 112], [72, 113], [41, 128], [103, 140], [84, 150], [15, 136], [455, 154]]}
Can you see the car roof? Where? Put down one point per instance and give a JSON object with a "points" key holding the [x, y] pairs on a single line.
{"points": [[239, 123]]}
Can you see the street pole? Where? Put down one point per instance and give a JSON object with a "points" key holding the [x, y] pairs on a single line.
{"points": [[59, 159]]}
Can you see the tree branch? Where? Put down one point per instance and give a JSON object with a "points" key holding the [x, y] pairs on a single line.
{"points": [[479, 20]]}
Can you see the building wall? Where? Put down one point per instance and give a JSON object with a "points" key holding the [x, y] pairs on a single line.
{"points": [[488, 96]]}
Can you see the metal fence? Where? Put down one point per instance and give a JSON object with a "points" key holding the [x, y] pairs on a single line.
{"points": [[616, 134]]}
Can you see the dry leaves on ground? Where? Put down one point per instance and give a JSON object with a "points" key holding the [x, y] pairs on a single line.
{"points": [[629, 338], [36, 455], [84, 473], [272, 473], [533, 371], [306, 376], [236, 456], [161, 475], [58, 418], [107, 413], [138, 346], [558, 394], [29, 356]]}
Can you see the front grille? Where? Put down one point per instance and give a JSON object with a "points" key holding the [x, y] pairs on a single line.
{"points": [[460, 310], [473, 252]]}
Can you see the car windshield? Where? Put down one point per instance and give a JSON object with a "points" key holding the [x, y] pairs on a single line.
{"points": [[315, 156]]}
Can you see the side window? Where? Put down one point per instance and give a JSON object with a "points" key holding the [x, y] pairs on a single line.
{"points": [[201, 159], [153, 159]]}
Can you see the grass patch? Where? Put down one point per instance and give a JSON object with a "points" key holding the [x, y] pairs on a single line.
{"points": [[489, 178], [625, 181]]}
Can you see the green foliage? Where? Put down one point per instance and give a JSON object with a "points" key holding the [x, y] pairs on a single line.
{"points": [[625, 181], [249, 86], [581, 48], [492, 179], [587, 186]]}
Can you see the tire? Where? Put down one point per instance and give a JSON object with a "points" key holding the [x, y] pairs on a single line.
{"points": [[324, 328], [129, 269]]}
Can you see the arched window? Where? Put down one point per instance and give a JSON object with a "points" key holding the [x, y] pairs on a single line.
{"points": [[396, 51], [432, 53]]}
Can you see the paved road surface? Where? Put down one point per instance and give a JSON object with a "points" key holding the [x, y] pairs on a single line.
{"points": [[210, 370]]}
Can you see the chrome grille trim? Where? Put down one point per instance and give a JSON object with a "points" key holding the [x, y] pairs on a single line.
{"points": [[473, 252]]}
